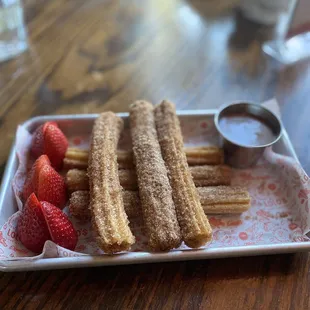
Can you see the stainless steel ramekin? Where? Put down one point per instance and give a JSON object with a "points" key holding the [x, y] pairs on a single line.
{"points": [[244, 156]]}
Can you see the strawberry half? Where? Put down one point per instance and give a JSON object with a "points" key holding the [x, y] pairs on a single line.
{"points": [[32, 180], [55, 145], [61, 229], [37, 142], [51, 187], [46, 183], [32, 229], [49, 139], [37, 145]]}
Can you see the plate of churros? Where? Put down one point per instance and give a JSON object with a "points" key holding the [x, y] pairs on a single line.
{"points": [[151, 185]]}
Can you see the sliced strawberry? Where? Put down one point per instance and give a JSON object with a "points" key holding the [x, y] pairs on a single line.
{"points": [[61, 229], [32, 180], [55, 145], [37, 142], [32, 229], [51, 187], [49, 139], [28, 187], [45, 182], [37, 145]]}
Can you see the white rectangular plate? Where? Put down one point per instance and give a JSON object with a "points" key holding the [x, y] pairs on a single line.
{"points": [[83, 125]]}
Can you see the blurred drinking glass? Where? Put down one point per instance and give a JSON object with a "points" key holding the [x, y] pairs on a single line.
{"points": [[266, 12], [13, 37]]}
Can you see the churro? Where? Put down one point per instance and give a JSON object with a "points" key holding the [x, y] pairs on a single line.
{"points": [[125, 159], [128, 179], [214, 200], [195, 228], [108, 216], [204, 155], [202, 175], [77, 180], [211, 175], [78, 158], [157, 205], [79, 204], [224, 199], [70, 163], [77, 154], [132, 203]]}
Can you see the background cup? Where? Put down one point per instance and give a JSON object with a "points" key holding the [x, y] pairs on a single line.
{"points": [[13, 36]]}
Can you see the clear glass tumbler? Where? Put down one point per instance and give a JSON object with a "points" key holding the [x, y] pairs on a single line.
{"points": [[13, 36]]}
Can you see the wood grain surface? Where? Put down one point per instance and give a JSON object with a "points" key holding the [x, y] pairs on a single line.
{"points": [[96, 55]]}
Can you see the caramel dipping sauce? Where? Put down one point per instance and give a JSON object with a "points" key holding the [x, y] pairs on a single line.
{"points": [[247, 130]]}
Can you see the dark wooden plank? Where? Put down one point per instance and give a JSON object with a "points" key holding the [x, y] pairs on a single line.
{"points": [[108, 53], [271, 282]]}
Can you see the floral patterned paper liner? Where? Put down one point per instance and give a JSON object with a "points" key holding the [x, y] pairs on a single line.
{"points": [[279, 212]]}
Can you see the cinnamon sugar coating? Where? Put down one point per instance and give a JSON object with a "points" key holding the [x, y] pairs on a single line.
{"points": [[109, 219], [157, 205], [195, 228]]}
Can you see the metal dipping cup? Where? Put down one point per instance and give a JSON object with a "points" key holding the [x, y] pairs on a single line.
{"points": [[244, 156]]}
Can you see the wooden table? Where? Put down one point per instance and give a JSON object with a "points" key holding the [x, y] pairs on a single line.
{"points": [[96, 55]]}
